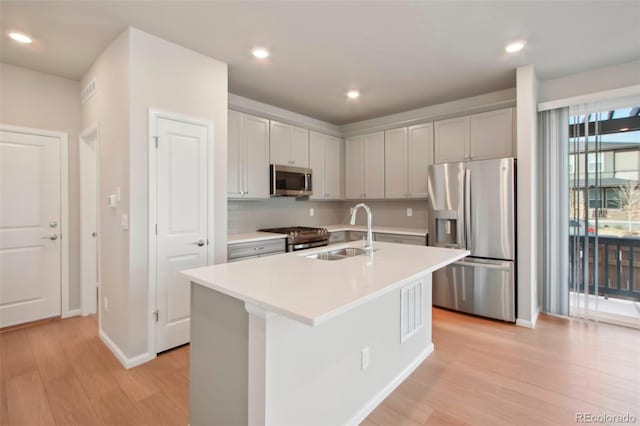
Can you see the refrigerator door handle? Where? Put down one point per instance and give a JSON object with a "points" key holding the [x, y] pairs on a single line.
{"points": [[467, 208], [504, 266]]}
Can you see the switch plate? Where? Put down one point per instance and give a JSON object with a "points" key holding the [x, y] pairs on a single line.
{"points": [[105, 304], [124, 221], [311, 212], [365, 358], [409, 211]]}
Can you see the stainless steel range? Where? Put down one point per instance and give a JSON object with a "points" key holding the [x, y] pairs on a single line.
{"points": [[302, 237]]}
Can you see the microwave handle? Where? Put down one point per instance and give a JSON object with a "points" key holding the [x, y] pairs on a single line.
{"points": [[307, 182]]}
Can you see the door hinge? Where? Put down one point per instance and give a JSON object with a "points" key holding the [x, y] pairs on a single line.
{"points": [[156, 140], [156, 315]]}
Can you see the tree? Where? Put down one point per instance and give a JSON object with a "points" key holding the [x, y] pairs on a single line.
{"points": [[629, 199]]}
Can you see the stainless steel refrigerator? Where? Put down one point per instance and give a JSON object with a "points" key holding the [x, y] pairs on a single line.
{"points": [[472, 206]]}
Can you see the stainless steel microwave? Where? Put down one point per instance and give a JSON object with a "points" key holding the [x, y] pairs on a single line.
{"points": [[290, 181]]}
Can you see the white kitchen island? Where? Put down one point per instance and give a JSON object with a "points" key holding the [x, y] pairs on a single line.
{"points": [[290, 340]]}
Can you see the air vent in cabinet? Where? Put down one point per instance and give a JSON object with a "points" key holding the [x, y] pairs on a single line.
{"points": [[411, 310]]}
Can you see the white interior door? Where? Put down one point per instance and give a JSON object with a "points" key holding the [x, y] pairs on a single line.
{"points": [[89, 221], [181, 211], [30, 215]]}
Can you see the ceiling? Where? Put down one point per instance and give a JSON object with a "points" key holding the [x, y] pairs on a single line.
{"points": [[401, 55]]}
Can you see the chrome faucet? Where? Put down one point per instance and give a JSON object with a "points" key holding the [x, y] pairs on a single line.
{"points": [[369, 246]]}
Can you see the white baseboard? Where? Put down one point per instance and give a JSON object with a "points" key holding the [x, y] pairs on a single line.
{"points": [[527, 323], [124, 360], [70, 313], [390, 387]]}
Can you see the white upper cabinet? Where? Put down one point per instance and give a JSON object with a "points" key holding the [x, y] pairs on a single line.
{"points": [[419, 158], [452, 140], [326, 162], [354, 157], [475, 137], [491, 134], [289, 145], [374, 165], [364, 166], [248, 156], [408, 152], [395, 163], [234, 156]]}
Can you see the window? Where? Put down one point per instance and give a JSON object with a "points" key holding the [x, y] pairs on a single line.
{"points": [[595, 162], [572, 164], [613, 198]]}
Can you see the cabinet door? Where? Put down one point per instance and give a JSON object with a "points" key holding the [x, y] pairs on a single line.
{"points": [[280, 142], [420, 156], [235, 160], [317, 164], [452, 140], [491, 134], [255, 136], [299, 147], [353, 167], [333, 151], [373, 165], [395, 163]]}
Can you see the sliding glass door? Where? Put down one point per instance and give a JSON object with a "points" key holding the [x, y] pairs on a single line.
{"points": [[604, 213]]}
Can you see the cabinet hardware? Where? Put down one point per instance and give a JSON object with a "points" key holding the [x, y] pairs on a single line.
{"points": [[51, 237]]}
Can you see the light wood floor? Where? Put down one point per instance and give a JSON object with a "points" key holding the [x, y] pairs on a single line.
{"points": [[482, 372]]}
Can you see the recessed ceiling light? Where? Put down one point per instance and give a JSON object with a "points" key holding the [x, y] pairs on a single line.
{"points": [[260, 53], [514, 47], [353, 94], [20, 38]]}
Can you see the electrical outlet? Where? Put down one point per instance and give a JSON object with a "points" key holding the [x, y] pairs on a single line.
{"points": [[124, 221], [105, 304], [311, 211], [409, 211], [366, 358]]}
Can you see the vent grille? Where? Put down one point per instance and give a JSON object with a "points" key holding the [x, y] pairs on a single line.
{"points": [[411, 310], [88, 92]]}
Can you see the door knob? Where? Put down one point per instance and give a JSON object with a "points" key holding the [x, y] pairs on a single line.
{"points": [[53, 224], [200, 242], [52, 237]]}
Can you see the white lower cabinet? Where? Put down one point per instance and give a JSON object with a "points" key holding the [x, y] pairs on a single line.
{"points": [[326, 160], [244, 251], [401, 239], [338, 237]]}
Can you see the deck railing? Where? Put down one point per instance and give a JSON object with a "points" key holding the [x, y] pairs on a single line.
{"points": [[618, 272]]}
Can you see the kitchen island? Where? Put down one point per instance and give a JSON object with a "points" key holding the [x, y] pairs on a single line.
{"points": [[293, 339]]}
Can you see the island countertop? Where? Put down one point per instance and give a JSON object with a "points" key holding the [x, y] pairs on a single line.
{"points": [[311, 290]]}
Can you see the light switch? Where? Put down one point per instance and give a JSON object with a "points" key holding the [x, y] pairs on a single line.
{"points": [[409, 211], [112, 200], [311, 211], [124, 221]]}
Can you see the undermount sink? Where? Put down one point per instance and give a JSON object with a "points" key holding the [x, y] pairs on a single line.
{"points": [[337, 254]]}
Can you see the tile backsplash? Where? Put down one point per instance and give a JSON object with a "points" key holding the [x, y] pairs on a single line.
{"points": [[248, 216]]}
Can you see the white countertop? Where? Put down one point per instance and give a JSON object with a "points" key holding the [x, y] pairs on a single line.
{"points": [[418, 232], [250, 237], [311, 290]]}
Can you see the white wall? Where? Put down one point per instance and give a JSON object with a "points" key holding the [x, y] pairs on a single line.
{"points": [[527, 139], [592, 81], [43, 101], [109, 108], [171, 78]]}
